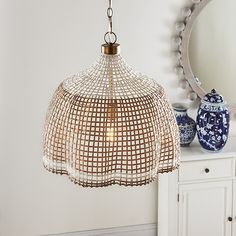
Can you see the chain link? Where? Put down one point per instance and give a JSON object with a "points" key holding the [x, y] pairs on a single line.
{"points": [[109, 15]]}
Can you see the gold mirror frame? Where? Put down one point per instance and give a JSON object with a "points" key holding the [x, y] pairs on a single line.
{"points": [[181, 47]]}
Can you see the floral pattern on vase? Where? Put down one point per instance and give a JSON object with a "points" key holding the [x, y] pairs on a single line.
{"points": [[213, 122], [187, 126]]}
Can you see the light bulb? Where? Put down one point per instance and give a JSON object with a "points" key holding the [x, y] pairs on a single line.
{"points": [[110, 134], [111, 111], [111, 120]]}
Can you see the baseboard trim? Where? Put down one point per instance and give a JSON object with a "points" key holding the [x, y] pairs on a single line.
{"points": [[134, 230]]}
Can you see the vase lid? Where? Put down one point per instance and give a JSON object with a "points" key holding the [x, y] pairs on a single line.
{"points": [[213, 97]]}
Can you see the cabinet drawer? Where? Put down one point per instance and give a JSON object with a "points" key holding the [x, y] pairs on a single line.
{"points": [[200, 170]]}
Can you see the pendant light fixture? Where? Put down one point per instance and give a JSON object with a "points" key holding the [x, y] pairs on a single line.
{"points": [[110, 125]]}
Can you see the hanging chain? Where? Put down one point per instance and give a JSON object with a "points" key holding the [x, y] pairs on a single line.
{"points": [[110, 37]]}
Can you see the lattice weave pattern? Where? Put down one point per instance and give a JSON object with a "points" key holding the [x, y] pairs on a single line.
{"points": [[110, 125]]}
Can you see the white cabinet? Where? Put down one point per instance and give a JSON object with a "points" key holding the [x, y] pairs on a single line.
{"points": [[234, 208], [204, 209], [200, 198]]}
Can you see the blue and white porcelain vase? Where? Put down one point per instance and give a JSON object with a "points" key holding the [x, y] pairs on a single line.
{"points": [[213, 122], [187, 126]]}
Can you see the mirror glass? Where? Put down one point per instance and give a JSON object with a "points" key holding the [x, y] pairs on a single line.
{"points": [[212, 48]]}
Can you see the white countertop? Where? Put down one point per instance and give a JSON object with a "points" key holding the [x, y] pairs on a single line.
{"points": [[195, 152]]}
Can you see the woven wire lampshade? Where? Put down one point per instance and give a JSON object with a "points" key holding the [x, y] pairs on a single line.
{"points": [[110, 125]]}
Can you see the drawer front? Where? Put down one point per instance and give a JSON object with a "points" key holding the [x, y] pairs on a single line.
{"points": [[208, 169]]}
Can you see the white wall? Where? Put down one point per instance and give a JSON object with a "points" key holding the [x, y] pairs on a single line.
{"points": [[41, 42]]}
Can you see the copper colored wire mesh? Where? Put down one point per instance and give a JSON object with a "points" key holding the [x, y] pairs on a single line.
{"points": [[110, 125]]}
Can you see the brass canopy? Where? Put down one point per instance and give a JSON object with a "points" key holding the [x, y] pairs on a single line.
{"points": [[111, 49]]}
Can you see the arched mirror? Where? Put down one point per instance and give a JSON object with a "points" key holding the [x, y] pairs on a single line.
{"points": [[207, 48]]}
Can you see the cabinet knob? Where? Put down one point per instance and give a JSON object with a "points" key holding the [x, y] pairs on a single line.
{"points": [[207, 170], [230, 219]]}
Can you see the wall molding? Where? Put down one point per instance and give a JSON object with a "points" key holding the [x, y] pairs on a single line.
{"points": [[135, 230]]}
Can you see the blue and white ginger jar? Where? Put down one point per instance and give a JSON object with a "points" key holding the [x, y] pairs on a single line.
{"points": [[213, 122], [187, 126]]}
